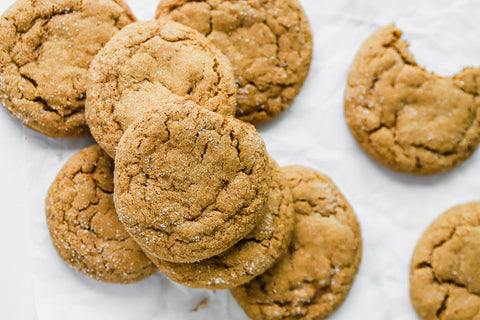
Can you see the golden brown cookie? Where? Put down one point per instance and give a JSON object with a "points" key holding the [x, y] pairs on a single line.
{"points": [[147, 61], [84, 226], [445, 267], [250, 257], [314, 277], [268, 42], [45, 50], [189, 182], [406, 118]]}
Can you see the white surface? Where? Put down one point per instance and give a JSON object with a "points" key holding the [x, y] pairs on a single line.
{"points": [[393, 209]]}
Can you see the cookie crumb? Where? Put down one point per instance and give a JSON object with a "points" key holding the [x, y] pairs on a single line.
{"points": [[200, 305]]}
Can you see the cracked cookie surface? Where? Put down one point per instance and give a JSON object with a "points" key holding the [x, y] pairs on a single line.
{"points": [[190, 183], [45, 50], [268, 42], [148, 60], [84, 226], [445, 267], [250, 257], [313, 278], [406, 118]]}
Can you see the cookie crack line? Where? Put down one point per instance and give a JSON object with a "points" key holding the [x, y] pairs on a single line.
{"points": [[441, 243], [244, 170], [415, 145], [285, 30], [234, 142], [428, 265], [65, 12], [400, 54], [443, 306], [325, 289], [312, 204], [474, 94], [209, 206], [210, 18], [89, 228], [134, 47]]}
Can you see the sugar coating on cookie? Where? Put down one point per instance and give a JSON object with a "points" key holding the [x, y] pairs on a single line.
{"points": [[268, 42], [146, 61], [250, 257], [84, 226], [45, 50], [190, 183], [445, 267], [406, 118], [314, 277]]}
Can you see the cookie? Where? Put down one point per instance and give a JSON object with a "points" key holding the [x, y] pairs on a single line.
{"points": [[268, 42], [406, 118], [146, 61], [250, 257], [445, 267], [84, 226], [45, 50], [190, 183], [314, 277]]}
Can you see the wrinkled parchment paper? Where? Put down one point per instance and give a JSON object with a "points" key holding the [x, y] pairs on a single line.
{"points": [[393, 209]]}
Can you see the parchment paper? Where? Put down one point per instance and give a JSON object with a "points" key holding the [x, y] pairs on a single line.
{"points": [[393, 209]]}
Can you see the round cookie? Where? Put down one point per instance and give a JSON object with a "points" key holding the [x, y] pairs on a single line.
{"points": [[84, 226], [268, 42], [190, 183], [147, 61], [45, 50], [314, 277], [250, 257], [445, 267], [406, 118]]}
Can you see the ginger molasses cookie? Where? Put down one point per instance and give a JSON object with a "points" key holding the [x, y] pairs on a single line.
{"points": [[268, 42], [445, 267], [151, 60], [250, 257], [189, 182], [84, 226], [45, 50], [406, 118], [314, 277]]}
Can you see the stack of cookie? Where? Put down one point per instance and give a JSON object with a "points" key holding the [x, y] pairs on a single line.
{"points": [[191, 190], [252, 65]]}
